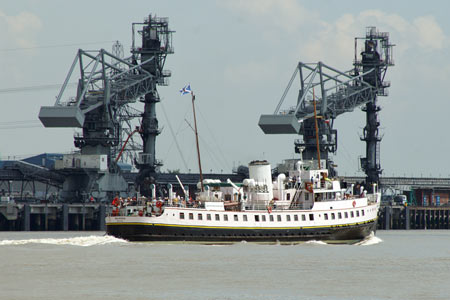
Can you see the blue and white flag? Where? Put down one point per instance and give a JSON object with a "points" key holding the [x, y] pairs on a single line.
{"points": [[186, 90]]}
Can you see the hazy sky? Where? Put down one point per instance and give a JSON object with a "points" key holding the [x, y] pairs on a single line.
{"points": [[238, 57]]}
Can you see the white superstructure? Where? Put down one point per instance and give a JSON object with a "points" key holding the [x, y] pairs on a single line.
{"points": [[302, 202]]}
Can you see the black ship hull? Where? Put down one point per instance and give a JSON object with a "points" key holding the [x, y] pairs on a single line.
{"points": [[162, 232]]}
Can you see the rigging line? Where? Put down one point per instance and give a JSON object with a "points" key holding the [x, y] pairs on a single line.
{"points": [[174, 136], [191, 153], [209, 151], [55, 46], [181, 129], [19, 122], [347, 156], [35, 87], [225, 160], [212, 157], [20, 127], [181, 121], [167, 153]]}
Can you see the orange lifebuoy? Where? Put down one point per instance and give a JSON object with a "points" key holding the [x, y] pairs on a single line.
{"points": [[354, 203], [269, 209], [309, 187]]}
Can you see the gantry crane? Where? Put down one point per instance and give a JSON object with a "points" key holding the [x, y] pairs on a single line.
{"points": [[107, 86], [336, 92]]}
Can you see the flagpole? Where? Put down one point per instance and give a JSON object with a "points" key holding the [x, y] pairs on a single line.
{"points": [[196, 139]]}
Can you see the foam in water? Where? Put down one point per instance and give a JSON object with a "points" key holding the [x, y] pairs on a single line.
{"points": [[83, 241], [370, 240], [314, 242]]}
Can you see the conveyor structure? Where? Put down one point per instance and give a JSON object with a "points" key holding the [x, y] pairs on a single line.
{"points": [[336, 92], [108, 86]]}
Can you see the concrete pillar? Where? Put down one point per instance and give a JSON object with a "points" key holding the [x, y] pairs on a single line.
{"points": [[102, 216], [65, 217], [433, 219], [425, 219], [38, 220], [407, 218], [83, 218], [26, 217], [447, 219], [439, 219], [46, 217], [442, 226], [387, 218]]}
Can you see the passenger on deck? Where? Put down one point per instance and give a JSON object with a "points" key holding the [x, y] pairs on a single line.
{"points": [[116, 201]]}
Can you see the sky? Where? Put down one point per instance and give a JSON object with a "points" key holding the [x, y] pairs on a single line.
{"points": [[238, 57]]}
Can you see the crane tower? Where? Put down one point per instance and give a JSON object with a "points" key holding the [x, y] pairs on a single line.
{"points": [[336, 92], [156, 43], [108, 87]]}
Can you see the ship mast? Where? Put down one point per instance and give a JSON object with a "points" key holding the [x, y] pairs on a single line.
{"points": [[196, 140]]}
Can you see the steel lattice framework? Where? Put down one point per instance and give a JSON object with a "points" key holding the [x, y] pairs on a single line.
{"points": [[108, 87], [335, 92], [101, 86]]}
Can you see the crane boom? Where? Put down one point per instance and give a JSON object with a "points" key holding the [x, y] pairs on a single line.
{"points": [[108, 88], [338, 92]]}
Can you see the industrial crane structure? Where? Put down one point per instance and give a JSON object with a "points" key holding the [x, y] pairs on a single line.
{"points": [[108, 86], [335, 92]]}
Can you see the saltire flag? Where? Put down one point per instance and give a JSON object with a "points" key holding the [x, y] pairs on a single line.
{"points": [[186, 90]]}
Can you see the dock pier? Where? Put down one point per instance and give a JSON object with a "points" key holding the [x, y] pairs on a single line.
{"points": [[414, 217], [52, 217]]}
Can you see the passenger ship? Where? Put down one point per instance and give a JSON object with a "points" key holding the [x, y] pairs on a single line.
{"points": [[303, 204]]}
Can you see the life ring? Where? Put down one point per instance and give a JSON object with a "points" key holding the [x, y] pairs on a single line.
{"points": [[354, 203], [269, 209], [159, 205], [309, 187]]}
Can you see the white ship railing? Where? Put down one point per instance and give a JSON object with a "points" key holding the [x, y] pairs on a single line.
{"points": [[148, 207]]}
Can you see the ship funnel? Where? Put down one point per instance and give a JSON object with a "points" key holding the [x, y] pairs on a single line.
{"points": [[261, 172]]}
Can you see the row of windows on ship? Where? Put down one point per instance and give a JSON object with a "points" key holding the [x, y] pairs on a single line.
{"points": [[288, 218], [317, 197]]}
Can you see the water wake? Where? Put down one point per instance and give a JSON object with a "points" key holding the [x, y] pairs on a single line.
{"points": [[314, 242], [370, 240], [83, 241]]}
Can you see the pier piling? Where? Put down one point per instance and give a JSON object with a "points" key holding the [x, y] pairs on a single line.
{"points": [[65, 217], [414, 217], [26, 217], [43, 217]]}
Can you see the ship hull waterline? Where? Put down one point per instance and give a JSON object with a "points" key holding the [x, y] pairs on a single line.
{"points": [[162, 232]]}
